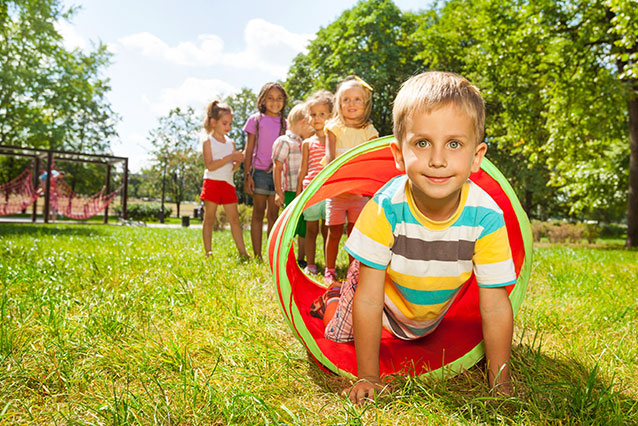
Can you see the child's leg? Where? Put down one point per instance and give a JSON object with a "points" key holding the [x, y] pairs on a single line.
{"points": [[338, 315], [272, 213], [210, 210], [257, 222], [235, 227], [332, 245], [312, 229]]}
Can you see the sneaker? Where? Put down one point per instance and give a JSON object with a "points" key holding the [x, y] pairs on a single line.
{"points": [[302, 263], [330, 276], [310, 269]]}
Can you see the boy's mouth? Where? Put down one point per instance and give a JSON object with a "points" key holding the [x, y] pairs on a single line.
{"points": [[438, 179]]}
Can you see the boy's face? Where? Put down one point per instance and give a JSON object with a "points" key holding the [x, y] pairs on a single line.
{"points": [[438, 154], [302, 129], [318, 115]]}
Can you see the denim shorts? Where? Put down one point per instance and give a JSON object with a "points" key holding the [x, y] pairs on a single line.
{"points": [[264, 184]]}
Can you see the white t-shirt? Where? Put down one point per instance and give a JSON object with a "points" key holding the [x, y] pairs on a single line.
{"points": [[219, 150]]}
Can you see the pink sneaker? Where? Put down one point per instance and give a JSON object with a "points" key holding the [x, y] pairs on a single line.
{"points": [[330, 276]]}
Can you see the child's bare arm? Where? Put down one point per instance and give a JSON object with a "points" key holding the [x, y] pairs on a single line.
{"points": [[367, 316], [249, 185], [331, 147], [278, 168], [303, 170], [215, 163], [498, 323]]}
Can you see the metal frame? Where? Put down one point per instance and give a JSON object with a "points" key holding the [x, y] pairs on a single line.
{"points": [[51, 154]]}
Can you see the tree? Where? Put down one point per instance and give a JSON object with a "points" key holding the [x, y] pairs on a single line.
{"points": [[177, 155], [49, 96], [371, 40], [560, 83]]}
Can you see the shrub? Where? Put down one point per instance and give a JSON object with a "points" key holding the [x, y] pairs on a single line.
{"points": [[245, 215], [558, 233], [144, 212], [592, 231]]}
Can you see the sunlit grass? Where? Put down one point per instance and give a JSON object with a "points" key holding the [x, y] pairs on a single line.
{"points": [[122, 325]]}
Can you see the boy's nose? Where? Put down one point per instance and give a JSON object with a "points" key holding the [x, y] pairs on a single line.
{"points": [[437, 158]]}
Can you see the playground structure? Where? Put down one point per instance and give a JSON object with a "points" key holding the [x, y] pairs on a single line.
{"points": [[36, 181], [457, 343]]}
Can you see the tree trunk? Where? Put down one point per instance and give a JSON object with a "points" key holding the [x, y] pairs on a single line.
{"points": [[632, 210]]}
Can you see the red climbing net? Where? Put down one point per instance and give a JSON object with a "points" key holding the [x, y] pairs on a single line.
{"points": [[20, 193], [17, 194]]}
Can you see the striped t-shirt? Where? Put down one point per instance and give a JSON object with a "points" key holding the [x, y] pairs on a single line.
{"points": [[316, 152], [428, 262]]}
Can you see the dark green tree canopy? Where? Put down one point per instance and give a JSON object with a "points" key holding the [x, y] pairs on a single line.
{"points": [[49, 96], [371, 40]]}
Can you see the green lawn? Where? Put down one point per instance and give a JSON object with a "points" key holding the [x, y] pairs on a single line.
{"points": [[123, 325]]}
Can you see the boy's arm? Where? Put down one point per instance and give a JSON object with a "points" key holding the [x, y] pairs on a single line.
{"points": [[278, 168], [367, 317], [498, 323], [303, 170]]}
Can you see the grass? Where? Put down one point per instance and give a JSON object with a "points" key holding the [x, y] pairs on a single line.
{"points": [[122, 325]]}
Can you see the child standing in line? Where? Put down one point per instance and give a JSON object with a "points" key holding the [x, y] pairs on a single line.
{"points": [[262, 129], [286, 157], [221, 158], [423, 234], [350, 127], [313, 149]]}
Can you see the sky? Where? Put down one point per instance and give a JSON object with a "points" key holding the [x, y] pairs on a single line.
{"points": [[169, 53]]}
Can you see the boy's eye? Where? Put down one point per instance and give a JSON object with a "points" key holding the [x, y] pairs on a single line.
{"points": [[422, 143], [455, 144]]}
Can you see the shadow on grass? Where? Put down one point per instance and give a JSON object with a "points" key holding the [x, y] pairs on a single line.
{"points": [[8, 229], [548, 390]]}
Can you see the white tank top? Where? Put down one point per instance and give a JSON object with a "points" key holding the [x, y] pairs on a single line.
{"points": [[220, 150]]}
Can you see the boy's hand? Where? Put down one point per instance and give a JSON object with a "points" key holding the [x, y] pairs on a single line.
{"points": [[279, 199], [364, 390]]}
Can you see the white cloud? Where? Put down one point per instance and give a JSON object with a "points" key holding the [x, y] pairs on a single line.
{"points": [[193, 92], [70, 37], [269, 48]]}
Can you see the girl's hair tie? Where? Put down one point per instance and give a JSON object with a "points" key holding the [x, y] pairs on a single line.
{"points": [[363, 83]]}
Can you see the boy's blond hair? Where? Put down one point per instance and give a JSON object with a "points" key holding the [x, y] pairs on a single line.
{"points": [[430, 90], [297, 113]]}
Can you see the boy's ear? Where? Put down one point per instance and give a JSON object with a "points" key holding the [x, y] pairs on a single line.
{"points": [[395, 148], [479, 153]]}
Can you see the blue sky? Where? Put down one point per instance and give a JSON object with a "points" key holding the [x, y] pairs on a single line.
{"points": [[183, 53]]}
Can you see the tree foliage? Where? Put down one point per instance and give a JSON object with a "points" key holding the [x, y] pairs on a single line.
{"points": [[50, 97], [559, 79], [177, 160], [371, 40]]}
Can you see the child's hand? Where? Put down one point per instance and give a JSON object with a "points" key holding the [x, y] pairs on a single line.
{"points": [[237, 156], [279, 200], [249, 184], [364, 390]]}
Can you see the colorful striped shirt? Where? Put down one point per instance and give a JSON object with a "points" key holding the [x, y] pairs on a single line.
{"points": [[316, 152], [427, 262]]}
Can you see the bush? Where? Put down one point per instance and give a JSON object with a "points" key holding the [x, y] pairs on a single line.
{"points": [[561, 232], [245, 215], [144, 212]]}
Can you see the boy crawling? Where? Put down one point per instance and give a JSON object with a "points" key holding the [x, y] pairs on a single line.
{"points": [[418, 240]]}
